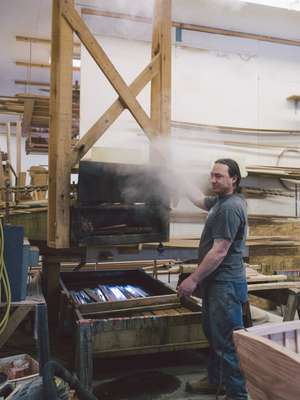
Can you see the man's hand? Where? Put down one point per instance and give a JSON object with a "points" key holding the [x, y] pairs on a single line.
{"points": [[187, 287]]}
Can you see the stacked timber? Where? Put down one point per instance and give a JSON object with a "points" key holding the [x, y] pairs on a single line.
{"points": [[275, 243], [35, 111], [275, 171]]}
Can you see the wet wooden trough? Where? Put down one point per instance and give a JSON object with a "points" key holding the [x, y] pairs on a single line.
{"points": [[159, 322]]}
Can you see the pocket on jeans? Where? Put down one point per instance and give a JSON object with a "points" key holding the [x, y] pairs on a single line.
{"points": [[241, 291]]}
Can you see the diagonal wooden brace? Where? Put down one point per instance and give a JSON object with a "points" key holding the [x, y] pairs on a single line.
{"points": [[112, 113], [106, 66]]}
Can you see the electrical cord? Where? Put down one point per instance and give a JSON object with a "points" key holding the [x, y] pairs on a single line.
{"points": [[4, 282], [227, 339]]}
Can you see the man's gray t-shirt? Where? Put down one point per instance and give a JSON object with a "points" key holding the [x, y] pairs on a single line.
{"points": [[227, 219]]}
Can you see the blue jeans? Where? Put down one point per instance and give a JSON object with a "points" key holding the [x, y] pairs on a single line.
{"points": [[223, 313]]}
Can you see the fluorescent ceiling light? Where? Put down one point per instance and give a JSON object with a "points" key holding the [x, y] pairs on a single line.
{"points": [[287, 4]]}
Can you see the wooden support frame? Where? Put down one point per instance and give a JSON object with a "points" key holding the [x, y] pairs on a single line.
{"points": [[65, 20], [27, 116], [27, 64], [8, 148]]}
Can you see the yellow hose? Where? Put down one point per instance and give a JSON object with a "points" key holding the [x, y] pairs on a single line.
{"points": [[5, 281]]}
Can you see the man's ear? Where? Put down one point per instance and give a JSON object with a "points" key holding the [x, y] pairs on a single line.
{"points": [[234, 179]]}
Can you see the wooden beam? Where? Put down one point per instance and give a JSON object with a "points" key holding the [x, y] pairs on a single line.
{"points": [[60, 129], [107, 67], [35, 83], [27, 116], [194, 27], [112, 113], [161, 84], [18, 150], [2, 178], [233, 129], [32, 83], [21, 63], [34, 39], [14, 321], [239, 34], [21, 177], [102, 13], [8, 148]]}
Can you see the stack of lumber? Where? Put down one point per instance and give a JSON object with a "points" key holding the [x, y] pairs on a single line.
{"points": [[39, 178], [278, 249], [252, 241], [279, 172], [253, 276], [270, 241], [35, 111], [200, 216]]}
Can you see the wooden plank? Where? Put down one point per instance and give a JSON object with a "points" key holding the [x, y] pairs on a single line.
{"points": [[107, 67], [18, 149], [8, 147], [27, 116], [60, 130], [14, 321], [112, 113], [51, 273], [166, 47], [2, 178], [264, 304], [36, 83], [201, 343], [275, 328], [194, 27], [141, 302], [271, 371], [132, 310], [83, 353], [155, 110], [161, 83], [34, 39], [18, 156], [232, 129], [27, 64], [272, 285]]}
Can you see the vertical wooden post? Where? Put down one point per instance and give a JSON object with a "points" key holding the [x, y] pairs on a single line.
{"points": [[8, 146], [84, 353], [60, 129], [18, 157], [161, 84], [18, 148], [2, 178], [51, 271]]}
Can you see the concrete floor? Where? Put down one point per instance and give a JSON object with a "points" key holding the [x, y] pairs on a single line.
{"points": [[183, 366]]}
